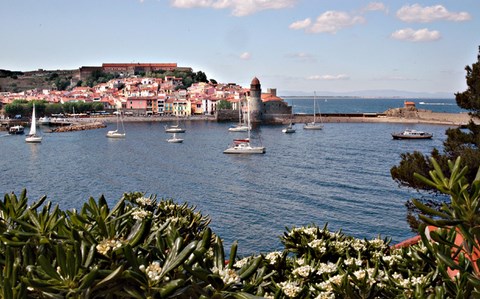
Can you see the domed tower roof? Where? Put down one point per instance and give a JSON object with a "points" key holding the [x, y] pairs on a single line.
{"points": [[255, 81]]}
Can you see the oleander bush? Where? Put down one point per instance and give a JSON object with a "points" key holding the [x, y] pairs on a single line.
{"points": [[148, 248]]}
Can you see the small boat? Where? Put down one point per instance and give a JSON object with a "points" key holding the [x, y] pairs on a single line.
{"points": [[243, 146], [313, 125], [174, 128], [44, 120], [32, 136], [116, 133], [240, 127], [16, 130], [175, 139], [412, 134], [289, 129]]}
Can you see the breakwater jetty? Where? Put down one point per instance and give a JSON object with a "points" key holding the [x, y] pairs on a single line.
{"points": [[81, 126]]}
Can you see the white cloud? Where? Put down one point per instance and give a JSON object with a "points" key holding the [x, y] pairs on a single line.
{"points": [[239, 8], [333, 21], [421, 35], [375, 6], [329, 77], [300, 24], [245, 56], [417, 13], [305, 57]]}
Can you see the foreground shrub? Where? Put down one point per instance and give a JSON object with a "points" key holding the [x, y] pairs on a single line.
{"points": [[149, 248]]}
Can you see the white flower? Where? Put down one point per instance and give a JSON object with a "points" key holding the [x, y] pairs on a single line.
{"points": [[303, 271], [241, 263], [153, 271], [377, 243], [352, 261], [318, 245], [143, 201], [290, 289], [229, 276], [327, 268], [140, 214], [106, 245], [326, 295], [358, 245], [273, 257]]}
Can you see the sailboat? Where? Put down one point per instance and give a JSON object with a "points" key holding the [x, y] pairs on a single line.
{"points": [[116, 133], [243, 146], [240, 127], [175, 139], [32, 136], [313, 125], [290, 128], [174, 128]]}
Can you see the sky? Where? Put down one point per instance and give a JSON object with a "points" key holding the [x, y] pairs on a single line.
{"points": [[292, 45]]}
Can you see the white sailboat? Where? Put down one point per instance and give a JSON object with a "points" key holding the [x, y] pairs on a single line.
{"points": [[174, 139], [32, 136], [290, 128], [240, 127], [313, 125], [243, 146], [174, 128], [116, 133]]}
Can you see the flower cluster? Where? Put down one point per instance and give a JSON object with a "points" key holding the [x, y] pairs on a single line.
{"points": [[106, 245], [140, 214]]}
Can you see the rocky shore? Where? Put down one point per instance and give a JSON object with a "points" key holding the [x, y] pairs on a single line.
{"points": [[81, 126]]}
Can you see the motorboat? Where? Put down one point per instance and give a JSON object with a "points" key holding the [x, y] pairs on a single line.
{"points": [[174, 139], [16, 130], [412, 134], [44, 121]]}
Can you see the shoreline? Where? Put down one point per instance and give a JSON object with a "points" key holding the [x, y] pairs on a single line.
{"points": [[420, 117], [427, 117]]}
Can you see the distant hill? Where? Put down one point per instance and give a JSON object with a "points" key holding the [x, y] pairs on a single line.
{"points": [[381, 93], [14, 81]]}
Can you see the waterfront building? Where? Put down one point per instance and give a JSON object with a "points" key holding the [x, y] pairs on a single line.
{"points": [[255, 101]]}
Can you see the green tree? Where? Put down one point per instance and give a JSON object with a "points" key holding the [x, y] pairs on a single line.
{"points": [[224, 105], [460, 142]]}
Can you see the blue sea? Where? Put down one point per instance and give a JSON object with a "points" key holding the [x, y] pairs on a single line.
{"points": [[368, 105], [339, 175]]}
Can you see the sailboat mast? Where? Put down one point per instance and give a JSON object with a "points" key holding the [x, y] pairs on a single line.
{"points": [[314, 101]]}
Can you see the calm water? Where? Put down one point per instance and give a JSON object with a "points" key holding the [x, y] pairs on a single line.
{"points": [[339, 175], [361, 105]]}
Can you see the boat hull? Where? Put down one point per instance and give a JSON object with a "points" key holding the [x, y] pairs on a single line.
{"points": [[33, 139], [401, 136], [174, 130], [312, 127], [245, 148], [16, 130], [115, 134]]}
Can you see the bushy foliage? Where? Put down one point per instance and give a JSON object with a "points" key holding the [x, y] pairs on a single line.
{"points": [[148, 248]]}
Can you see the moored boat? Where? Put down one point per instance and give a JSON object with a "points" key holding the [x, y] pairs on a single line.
{"points": [[412, 134], [16, 130]]}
